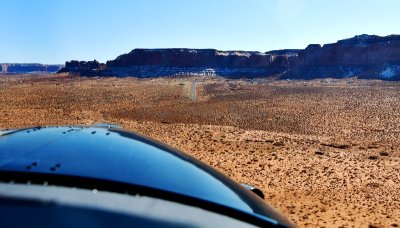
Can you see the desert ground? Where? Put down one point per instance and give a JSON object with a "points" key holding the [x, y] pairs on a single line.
{"points": [[326, 153]]}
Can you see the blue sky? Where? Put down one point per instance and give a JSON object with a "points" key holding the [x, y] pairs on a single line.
{"points": [[54, 31]]}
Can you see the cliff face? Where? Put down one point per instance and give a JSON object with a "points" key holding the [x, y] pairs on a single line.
{"points": [[364, 56], [170, 62], [370, 57], [185, 62], [28, 68], [86, 68], [192, 58]]}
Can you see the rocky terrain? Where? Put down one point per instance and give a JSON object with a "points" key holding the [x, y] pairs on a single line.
{"points": [[363, 56], [325, 152], [179, 62], [369, 57], [28, 68]]}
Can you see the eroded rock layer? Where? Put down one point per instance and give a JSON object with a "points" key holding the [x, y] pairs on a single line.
{"points": [[363, 56], [27, 68]]}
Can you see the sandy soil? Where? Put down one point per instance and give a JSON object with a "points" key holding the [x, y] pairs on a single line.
{"points": [[325, 152]]}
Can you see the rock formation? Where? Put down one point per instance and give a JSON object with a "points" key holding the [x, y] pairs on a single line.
{"points": [[173, 62], [364, 56], [27, 68], [86, 68]]}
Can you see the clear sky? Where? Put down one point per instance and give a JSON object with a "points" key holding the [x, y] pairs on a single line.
{"points": [[54, 31]]}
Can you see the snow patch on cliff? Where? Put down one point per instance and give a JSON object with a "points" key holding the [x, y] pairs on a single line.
{"points": [[160, 71], [390, 72], [351, 72]]}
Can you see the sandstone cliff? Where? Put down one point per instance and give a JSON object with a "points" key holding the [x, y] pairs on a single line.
{"points": [[85, 68], [28, 68], [364, 56], [182, 62], [173, 62]]}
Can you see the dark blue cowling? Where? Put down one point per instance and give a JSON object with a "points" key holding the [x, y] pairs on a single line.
{"points": [[112, 154]]}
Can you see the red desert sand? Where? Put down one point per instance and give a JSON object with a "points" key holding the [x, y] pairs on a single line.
{"points": [[325, 152]]}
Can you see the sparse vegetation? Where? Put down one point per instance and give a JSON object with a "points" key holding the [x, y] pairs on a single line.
{"points": [[326, 153]]}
